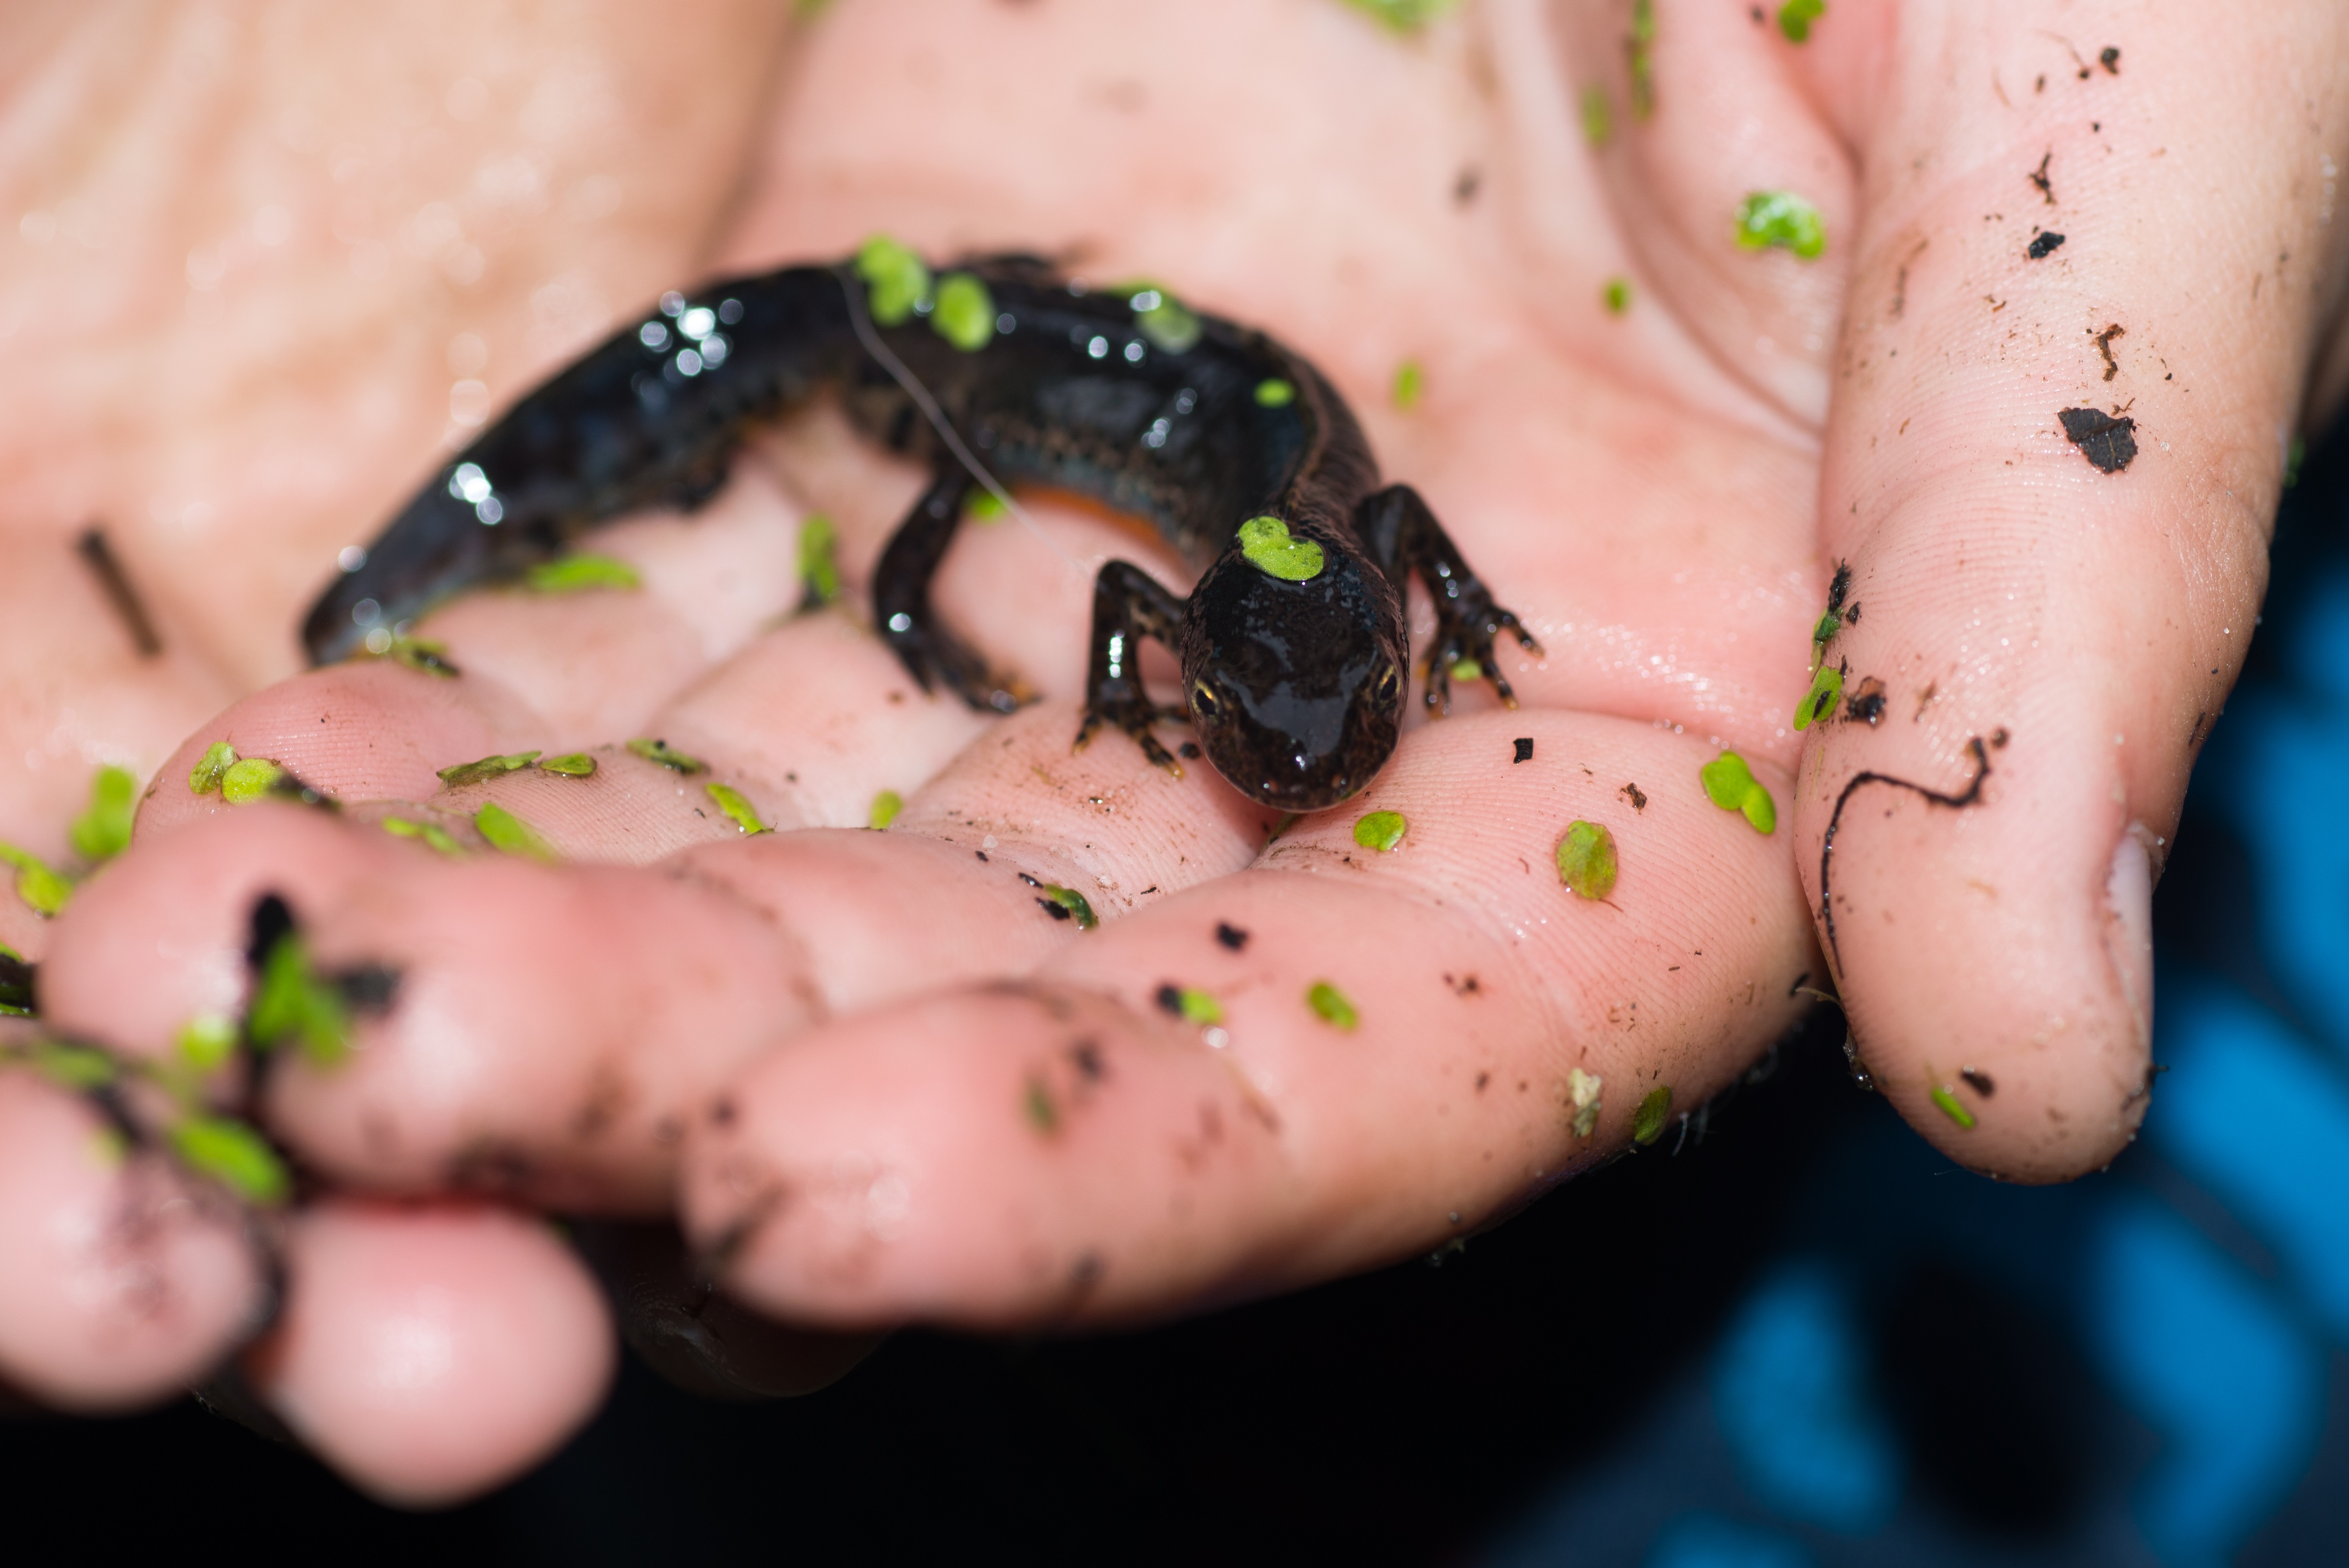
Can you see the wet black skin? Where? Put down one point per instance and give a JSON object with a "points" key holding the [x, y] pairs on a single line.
{"points": [[1295, 688]]}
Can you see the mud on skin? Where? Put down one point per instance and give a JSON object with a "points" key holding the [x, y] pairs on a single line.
{"points": [[1293, 644]]}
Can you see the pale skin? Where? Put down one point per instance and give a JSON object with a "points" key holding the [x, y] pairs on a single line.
{"points": [[875, 1079]]}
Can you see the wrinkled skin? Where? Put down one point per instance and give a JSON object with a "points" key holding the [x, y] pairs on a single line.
{"points": [[878, 1081]]}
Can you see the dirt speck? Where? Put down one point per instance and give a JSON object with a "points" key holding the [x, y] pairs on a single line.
{"points": [[1637, 796], [1231, 935], [2103, 341], [2042, 244], [2107, 440], [2110, 58], [2038, 176]]}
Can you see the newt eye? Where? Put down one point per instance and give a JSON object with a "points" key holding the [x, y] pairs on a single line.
{"points": [[1203, 701], [1385, 689]]}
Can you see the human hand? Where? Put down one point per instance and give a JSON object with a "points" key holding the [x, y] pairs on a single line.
{"points": [[1656, 494]]}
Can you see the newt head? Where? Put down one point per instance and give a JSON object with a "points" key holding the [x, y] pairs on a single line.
{"points": [[1295, 679]]}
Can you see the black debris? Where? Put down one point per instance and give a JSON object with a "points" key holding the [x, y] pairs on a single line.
{"points": [[1057, 910], [1170, 997], [2110, 58], [116, 585], [1979, 1081], [1190, 750], [1524, 746], [1637, 796], [2107, 440], [2039, 177], [2044, 241], [1231, 935]]}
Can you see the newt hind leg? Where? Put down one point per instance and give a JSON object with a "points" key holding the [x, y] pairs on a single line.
{"points": [[1403, 536], [932, 654], [1129, 604]]}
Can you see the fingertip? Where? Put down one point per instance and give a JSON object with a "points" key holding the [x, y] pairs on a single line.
{"points": [[430, 1352]]}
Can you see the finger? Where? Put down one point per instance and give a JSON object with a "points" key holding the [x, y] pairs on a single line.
{"points": [[125, 1281], [2048, 630], [1067, 1151], [429, 1353]]}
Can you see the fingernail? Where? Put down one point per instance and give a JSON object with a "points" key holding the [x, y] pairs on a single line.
{"points": [[2128, 938]]}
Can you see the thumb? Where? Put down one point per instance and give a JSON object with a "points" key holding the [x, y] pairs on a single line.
{"points": [[2088, 272]]}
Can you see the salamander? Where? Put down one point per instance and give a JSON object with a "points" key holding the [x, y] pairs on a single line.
{"points": [[1293, 642]]}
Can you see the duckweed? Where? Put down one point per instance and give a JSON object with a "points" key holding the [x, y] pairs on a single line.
{"points": [[1275, 394], [1640, 49], [431, 833], [1647, 1121], [1582, 1090], [570, 765], [1781, 219], [577, 573], [1952, 1108], [885, 807], [73, 1066], [1817, 703], [488, 768], [896, 283], [1795, 16], [1410, 385], [233, 1154], [965, 315], [44, 891], [1067, 903], [1617, 295], [1598, 117], [1266, 542], [293, 1004], [669, 757], [984, 507], [1191, 1004], [1403, 16], [509, 833], [206, 1041], [819, 565], [1037, 1105], [211, 768], [1380, 830], [1731, 785], [1585, 860], [103, 831], [737, 807], [249, 779], [1332, 1006], [423, 656], [1159, 316]]}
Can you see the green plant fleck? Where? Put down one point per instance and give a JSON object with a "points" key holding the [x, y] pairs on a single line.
{"points": [[576, 573], [896, 283], [1404, 15], [1819, 702], [737, 807], [1585, 860], [1197, 1007], [1380, 830], [206, 1041], [1641, 47], [1597, 116], [1467, 670], [1647, 1121], [965, 315], [431, 833], [510, 833], [570, 765], [15, 983], [73, 1066], [211, 768], [1952, 1108], [1731, 785], [423, 656], [819, 563], [294, 1005], [984, 507], [1266, 542], [1275, 394], [1037, 1104], [1410, 385], [1582, 1089], [1795, 16], [1823, 633], [661, 752], [1332, 1006], [104, 830], [885, 807], [1080, 908], [1617, 295], [249, 779], [1784, 219], [44, 891], [1159, 316], [488, 768], [233, 1154]]}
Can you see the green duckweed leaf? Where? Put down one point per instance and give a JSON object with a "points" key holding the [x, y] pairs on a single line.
{"points": [[488, 768], [206, 1041], [1332, 1006], [885, 807], [1080, 909], [233, 1154], [1275, 394], [737, 807], [983, 507], [423, 656], [431, 833], [294, 1005], [1655, 1110], [75, 1067], [1380, 830], [1819, 702], [896, 283], [965, 315], [249, 779], [1731, 785], [1036, 1105], [1782, 219], [570, 765], [509, 833], [211, 768], [819, 564], [1952, 1108], [577, 573], [1598, 117], [1617, 295], [1642, 50], [1585, 860], [43, 890], [662, 753], [1198, 1006], [104, 830], [1266, 542], [1403, 16], [1795, 16], [1410, 385], [1161, 318]]}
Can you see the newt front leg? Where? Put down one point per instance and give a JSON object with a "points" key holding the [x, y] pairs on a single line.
{"points": [[1400, 533]]}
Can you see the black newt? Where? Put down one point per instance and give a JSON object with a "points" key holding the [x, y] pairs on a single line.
{"points": [[1292, 670]]}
